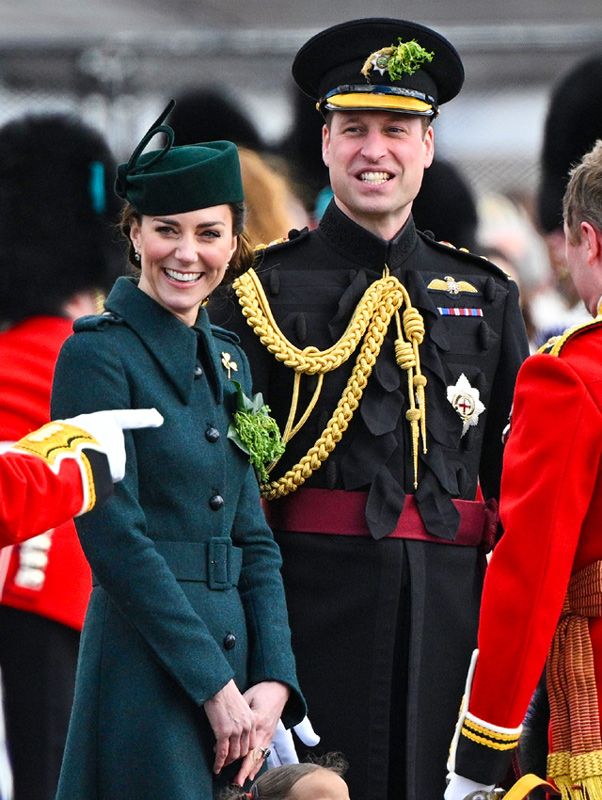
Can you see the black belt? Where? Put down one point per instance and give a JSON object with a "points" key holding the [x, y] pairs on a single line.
{"points": [[216, 562]]}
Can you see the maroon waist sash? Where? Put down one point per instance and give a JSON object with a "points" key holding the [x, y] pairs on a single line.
{"points": [[336, 511]]}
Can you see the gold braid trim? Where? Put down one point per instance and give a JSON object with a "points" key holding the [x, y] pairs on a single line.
{"points": [[555, 344], [490, 733], [53, 441], [370, 322], [486, 742], [575, 767]]}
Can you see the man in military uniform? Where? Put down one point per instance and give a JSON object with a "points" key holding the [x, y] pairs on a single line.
{"points": [[389, 361], [542, 602]]}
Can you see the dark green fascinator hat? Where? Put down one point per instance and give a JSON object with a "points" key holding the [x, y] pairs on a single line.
{"points": [[174, 180]]}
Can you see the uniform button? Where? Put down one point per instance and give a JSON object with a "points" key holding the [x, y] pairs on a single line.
{"points": [[212, 434], [274, 283], [216, 502], [229, 641], [301, 328], [489, 290], [198, 371]]}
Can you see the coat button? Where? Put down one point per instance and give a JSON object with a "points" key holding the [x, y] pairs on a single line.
{"points": [[212, 434], [229, 641], [198, 371], [216, 502]]}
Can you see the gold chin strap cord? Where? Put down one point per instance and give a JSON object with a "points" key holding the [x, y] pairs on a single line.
{"points": [[379, 304]]}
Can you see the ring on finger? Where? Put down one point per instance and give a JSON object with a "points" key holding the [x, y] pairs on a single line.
{"points": [[263, 753]]}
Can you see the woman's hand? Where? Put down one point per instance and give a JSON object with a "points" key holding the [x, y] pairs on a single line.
{"points": [[266, 700], [233, 724]]}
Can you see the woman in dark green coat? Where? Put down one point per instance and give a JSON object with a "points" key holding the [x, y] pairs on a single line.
{"points": [[185, 662]]}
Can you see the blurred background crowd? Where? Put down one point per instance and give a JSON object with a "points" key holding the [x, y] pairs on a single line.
{"points": [[496, 186], [531, 106]]}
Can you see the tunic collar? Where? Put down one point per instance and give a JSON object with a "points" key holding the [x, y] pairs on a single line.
{"points": [[172, 343], [360, 246]]}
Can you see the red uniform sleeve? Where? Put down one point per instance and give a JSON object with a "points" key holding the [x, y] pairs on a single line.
{"points": [[49, 477], [33, 498], [550, 472]]}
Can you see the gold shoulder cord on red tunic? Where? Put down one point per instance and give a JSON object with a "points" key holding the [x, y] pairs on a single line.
{"points": [[369, 324]]}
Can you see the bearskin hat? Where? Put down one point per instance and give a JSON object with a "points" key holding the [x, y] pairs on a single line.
{"points": [[206, 115], [573, 124], [58, 214], [301, 148], [446, 205]]}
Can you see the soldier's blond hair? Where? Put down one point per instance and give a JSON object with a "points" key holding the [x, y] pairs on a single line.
{"points": [[583, 196]]}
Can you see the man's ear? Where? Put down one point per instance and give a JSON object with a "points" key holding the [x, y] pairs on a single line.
{"points": [[325, 145], [593, 242], [429, 142]]}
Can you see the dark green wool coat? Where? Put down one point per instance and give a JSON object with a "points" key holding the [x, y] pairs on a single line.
{"points": [[188, 592]]}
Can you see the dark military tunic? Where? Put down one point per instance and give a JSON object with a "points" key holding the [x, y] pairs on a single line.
{"points": [[188, 593], [383, 628]]}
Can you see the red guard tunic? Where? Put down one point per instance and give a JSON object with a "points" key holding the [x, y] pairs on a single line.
{"points": [[39, 491], [551, 506], [59, 589]]}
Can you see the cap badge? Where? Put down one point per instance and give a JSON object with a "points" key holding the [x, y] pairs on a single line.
{"points": [[466, 400], [405, 58]]}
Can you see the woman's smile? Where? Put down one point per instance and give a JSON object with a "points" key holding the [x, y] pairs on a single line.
{"points": [[182, 277]]}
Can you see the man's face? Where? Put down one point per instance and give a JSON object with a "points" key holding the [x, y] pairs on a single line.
{"points": [[376, 161]]}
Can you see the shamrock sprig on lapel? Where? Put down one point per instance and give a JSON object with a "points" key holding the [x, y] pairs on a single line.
{"points": [[255, 432]]}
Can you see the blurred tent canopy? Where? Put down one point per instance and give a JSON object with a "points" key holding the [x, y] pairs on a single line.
{"points": [[115, 62]]}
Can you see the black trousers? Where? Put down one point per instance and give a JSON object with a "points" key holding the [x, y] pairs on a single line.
{"points": [[382, 633], [38, 658]]}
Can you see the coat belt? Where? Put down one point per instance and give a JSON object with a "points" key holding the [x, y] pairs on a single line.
{"points": [[336, 511], [216, 562]]}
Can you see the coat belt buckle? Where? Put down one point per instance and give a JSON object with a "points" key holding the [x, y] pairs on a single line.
{"points": [[218, 564]]}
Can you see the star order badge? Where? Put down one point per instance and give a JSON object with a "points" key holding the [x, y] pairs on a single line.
{"points": [[466, 400], [380, 62]]}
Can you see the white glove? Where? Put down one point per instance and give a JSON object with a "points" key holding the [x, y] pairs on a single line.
{"points": [[6, 778], [282, 748], [107, 428], [459, 787]]}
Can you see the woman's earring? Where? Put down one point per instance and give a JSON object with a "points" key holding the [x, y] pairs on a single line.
{"points": [[137, 256]]}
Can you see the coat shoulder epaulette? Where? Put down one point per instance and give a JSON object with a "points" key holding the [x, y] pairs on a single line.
{"points": [[462, 252], [554, 346], [293, 237], [225, 335], [96, 322]]}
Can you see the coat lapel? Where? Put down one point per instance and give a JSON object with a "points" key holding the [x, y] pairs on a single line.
{"points": [[172, 343]]}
